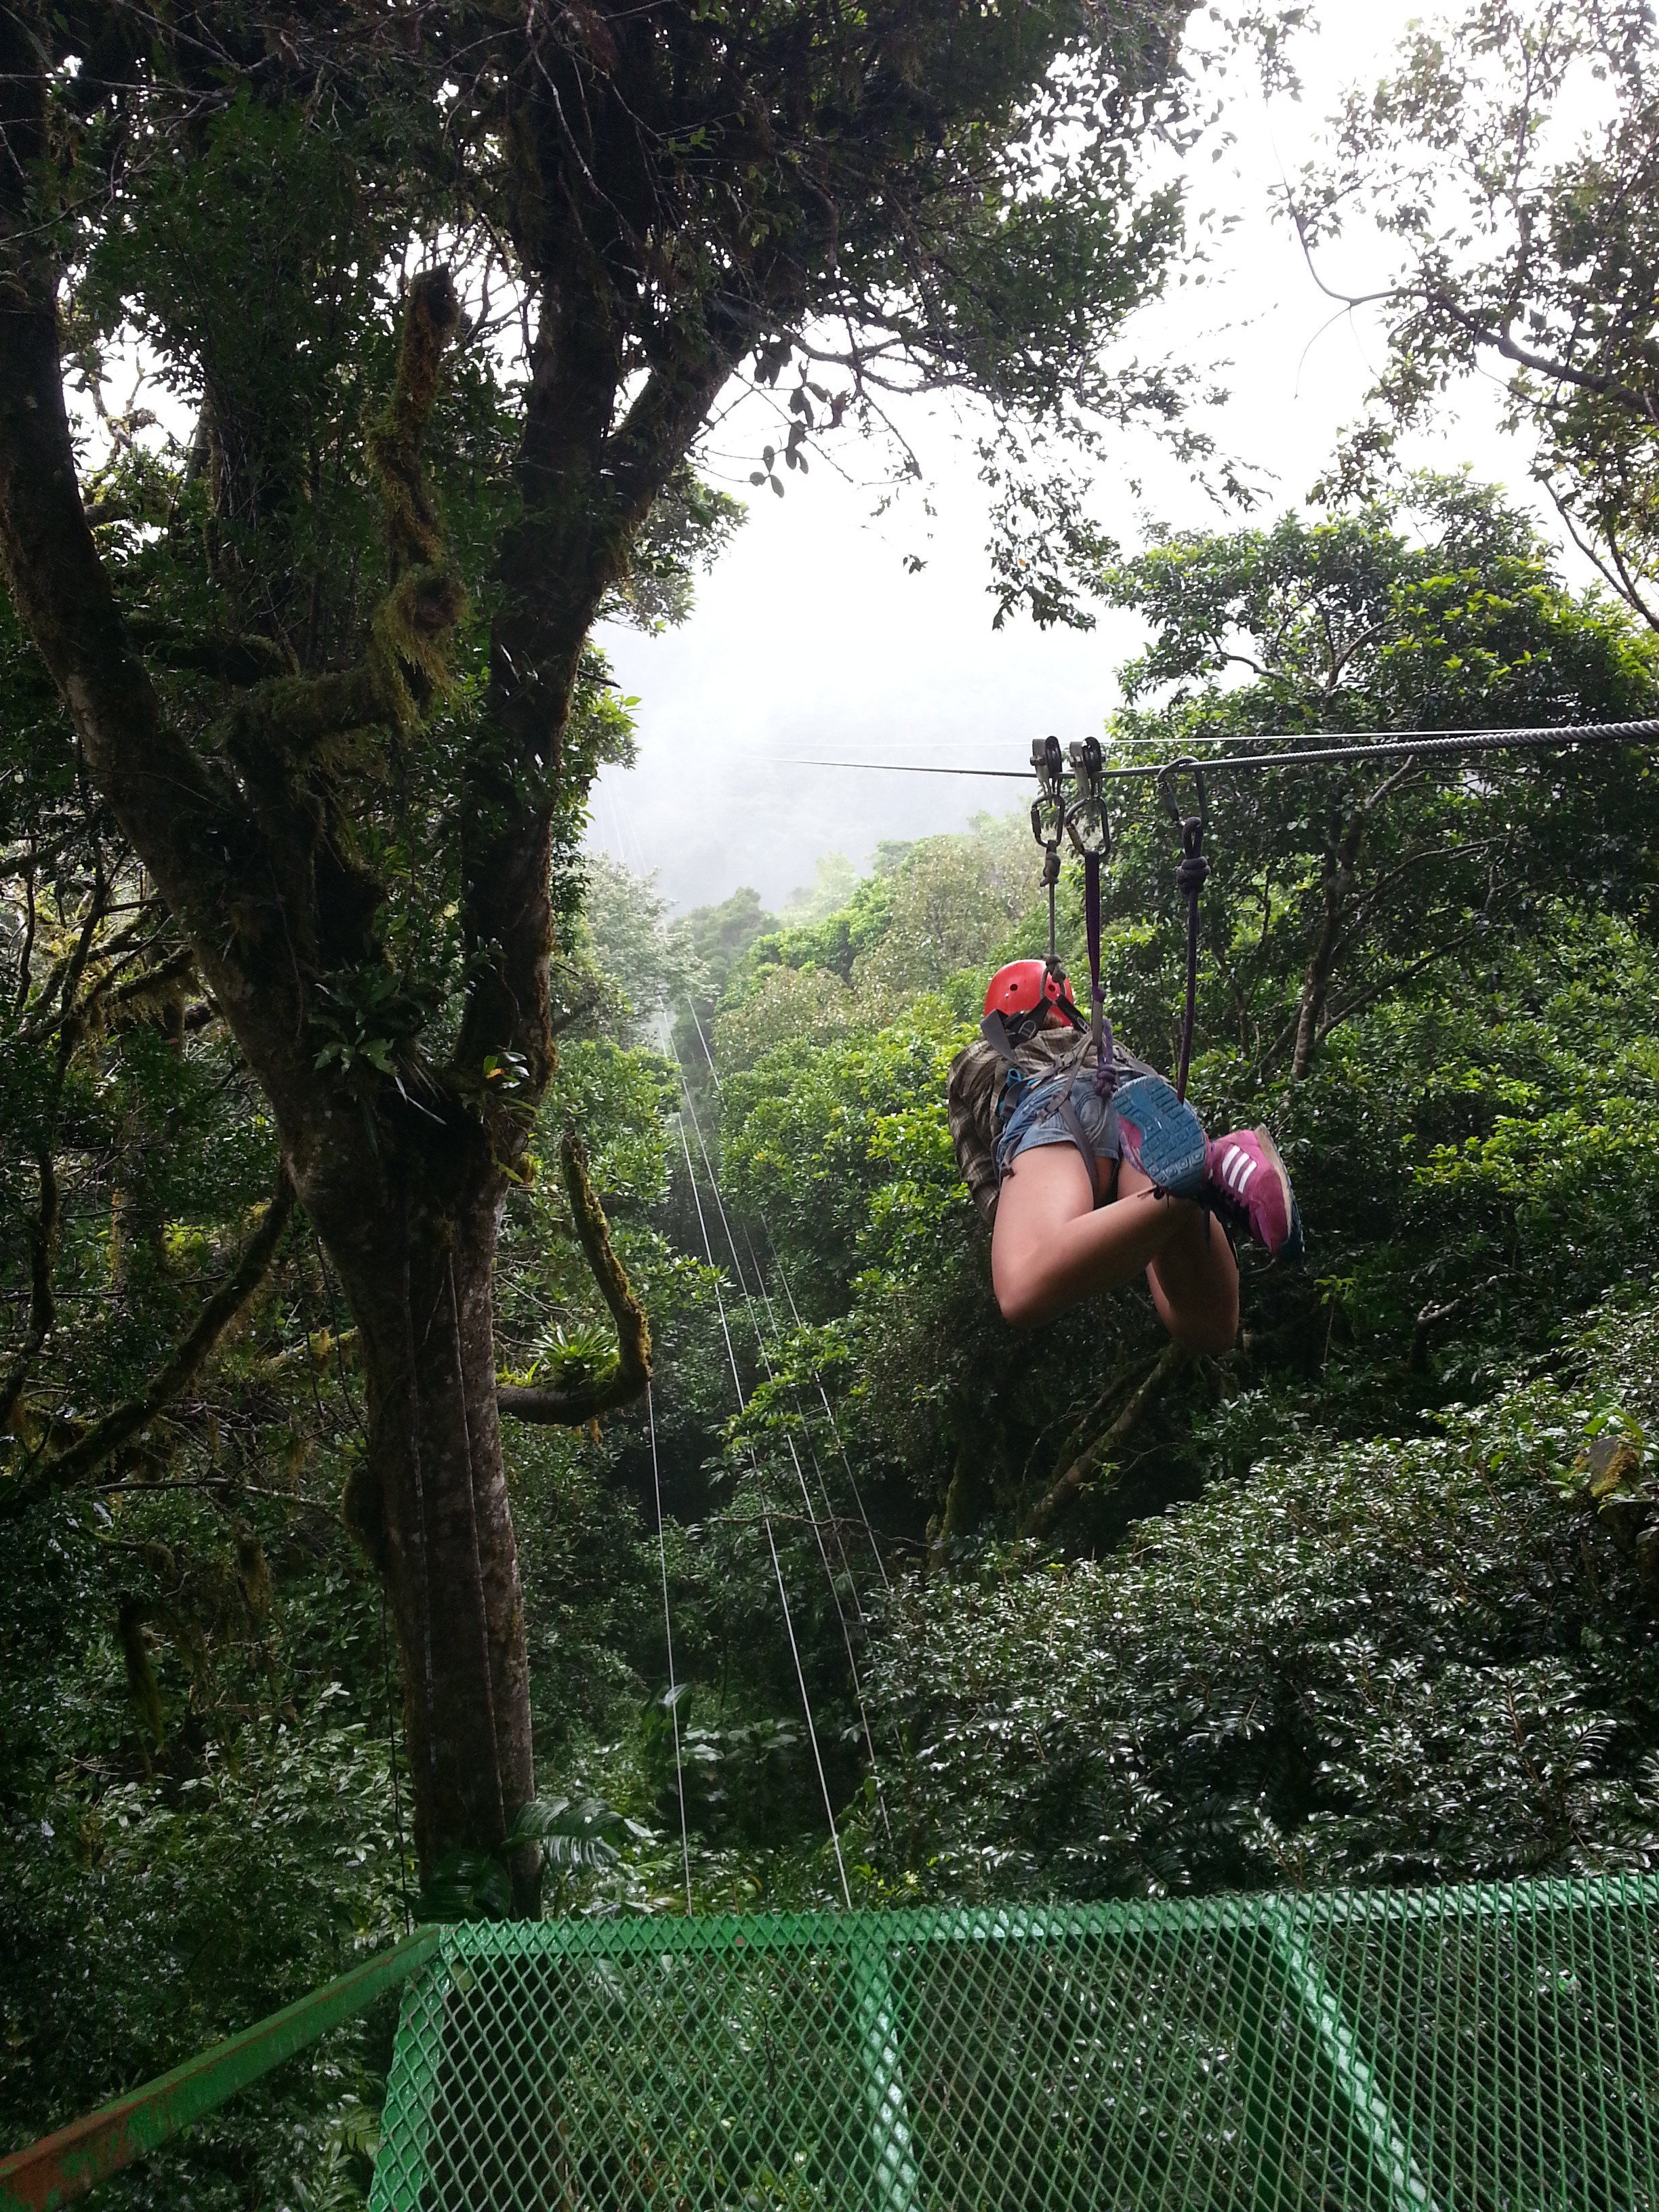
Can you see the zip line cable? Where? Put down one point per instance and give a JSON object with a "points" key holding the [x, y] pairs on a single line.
{"points": [[621, 827], [766, 1517], [620, 824], [1301, 749], [829, 1512], [760, 1290], [1384, 747], [800, 1477], [668, 1635], [391, 1754], [783, 1277]]}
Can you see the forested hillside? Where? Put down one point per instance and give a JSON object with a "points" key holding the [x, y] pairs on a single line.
{"points": [[1372, 1598]]}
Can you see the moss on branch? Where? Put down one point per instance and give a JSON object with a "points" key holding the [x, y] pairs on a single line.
{"points": [[571, 1406]]}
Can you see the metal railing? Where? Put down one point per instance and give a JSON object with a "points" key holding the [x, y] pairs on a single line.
{"points": [[1492, 2047], [63, 2165]]}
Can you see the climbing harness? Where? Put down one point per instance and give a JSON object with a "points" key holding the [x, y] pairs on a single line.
{"points": [[1072, 803], [1190, 877], [1057, 813]]}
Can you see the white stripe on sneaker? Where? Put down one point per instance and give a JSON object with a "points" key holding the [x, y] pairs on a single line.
{"points": [[1245, 1180]]}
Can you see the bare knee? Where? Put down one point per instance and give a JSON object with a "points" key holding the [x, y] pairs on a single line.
{"points": [[1021, 1294]]}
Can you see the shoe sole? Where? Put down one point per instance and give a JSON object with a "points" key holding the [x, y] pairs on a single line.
{"points": [[1173, 1148], [1291, 1247]]}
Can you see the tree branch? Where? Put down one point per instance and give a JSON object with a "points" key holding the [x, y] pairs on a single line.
{"points": [[43, 1254], [247, 660], [618, 1385], [1561, 372], [1477, 328], [159, 791], [1043, 1514], [120, 1426]]}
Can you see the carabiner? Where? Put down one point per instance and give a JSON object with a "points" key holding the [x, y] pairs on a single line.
{"points": [[1048, 810], [1185, 822], [1088, 807]]}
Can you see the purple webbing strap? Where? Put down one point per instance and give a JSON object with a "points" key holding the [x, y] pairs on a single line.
{"points": [[1105, 1073]]}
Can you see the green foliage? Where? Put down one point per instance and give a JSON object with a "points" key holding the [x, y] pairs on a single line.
{"points": [[937, 909], [634, 968], [476, 1886], [720, 935], [1432, 984], [1390, 1662], [1510, 160]]}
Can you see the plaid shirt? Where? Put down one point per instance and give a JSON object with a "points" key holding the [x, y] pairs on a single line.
{"points": [[975, 1085]]}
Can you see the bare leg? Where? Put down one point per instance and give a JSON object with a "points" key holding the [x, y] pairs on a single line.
{"points": [[1051, 1248]]}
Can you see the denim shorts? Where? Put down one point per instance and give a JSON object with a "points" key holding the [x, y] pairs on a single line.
{"points": [[1036, 1119]]}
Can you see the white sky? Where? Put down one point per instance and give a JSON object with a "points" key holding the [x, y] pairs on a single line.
{"points": [[811, 638]]}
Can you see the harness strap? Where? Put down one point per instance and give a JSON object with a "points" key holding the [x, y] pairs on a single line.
{"points": [[1099, 1028], [995, 1030], [1190, 876], [1190, 879]]}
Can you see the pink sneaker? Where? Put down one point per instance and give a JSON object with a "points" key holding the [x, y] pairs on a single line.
{"points": [[1247, 1179]]}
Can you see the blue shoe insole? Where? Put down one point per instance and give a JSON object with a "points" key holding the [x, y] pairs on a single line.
{"points": [[1173, 1148]]}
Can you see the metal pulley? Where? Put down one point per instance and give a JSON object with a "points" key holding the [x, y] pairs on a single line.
{"points": [[1048, 821], [1086, 822]]}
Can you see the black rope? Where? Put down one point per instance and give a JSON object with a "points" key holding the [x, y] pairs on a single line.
{"points": [[1089, 829], [1191, 875], [1382, 747]]}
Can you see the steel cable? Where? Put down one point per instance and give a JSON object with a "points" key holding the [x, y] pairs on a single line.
{"points": [[800, 1477], [766, 1517]]}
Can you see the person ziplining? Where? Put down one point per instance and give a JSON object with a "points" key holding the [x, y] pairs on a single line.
{"points": [[1088, 1164], [1115, 1173]]}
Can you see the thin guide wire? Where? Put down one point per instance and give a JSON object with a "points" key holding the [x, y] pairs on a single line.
{"points": [[668, 1638], [1302, 754], [794, 1310], [766, 1517], [800, 1474]]}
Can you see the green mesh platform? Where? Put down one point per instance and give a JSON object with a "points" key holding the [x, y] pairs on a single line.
{"points": [[1492, 2047]]}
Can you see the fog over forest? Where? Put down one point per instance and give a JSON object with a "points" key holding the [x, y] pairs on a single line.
{"points": [[812, 635]]}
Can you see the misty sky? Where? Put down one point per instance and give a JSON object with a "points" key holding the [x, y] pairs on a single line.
{"points": [[810, 636]]}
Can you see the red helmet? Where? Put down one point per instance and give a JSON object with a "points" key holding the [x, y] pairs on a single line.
{"points": [[1026, 991]]}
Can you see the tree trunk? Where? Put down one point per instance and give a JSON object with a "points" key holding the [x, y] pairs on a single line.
{"points": [[1340, 856], [413, 1240]]}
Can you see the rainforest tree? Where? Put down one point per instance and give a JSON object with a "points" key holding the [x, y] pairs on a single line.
{"points": [[321, 662], [1510, 160]]}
